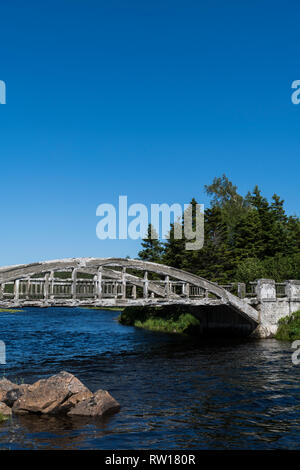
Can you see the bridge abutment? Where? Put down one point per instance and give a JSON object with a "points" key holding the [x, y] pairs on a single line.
{"points": [[273, 302]]}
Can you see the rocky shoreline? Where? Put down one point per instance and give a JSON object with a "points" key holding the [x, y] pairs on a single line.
{"points": [[60, 394]]}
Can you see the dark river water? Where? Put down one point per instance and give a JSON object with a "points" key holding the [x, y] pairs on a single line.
{"points": [[175, 393]]}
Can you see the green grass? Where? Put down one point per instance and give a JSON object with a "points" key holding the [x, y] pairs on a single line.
{"points": [[181, 325], [3, 418], [169, 319], [289, 328], [113, 309]]}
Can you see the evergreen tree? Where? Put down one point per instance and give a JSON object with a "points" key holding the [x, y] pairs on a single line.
{"points": [[277, 208], [225, 196], [176, 253], [293, 235], [271, 229], [249, 237], [215, 261], [245, 238], [174, 249]]}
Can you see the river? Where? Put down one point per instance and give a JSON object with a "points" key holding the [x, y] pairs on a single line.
{"points": [[175, 393]]}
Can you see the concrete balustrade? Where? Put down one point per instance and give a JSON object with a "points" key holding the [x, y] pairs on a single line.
{"points": [[292, 289], [266, 290]]}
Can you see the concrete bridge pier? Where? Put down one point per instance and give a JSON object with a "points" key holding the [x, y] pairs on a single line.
{"points": [[273, 302]]}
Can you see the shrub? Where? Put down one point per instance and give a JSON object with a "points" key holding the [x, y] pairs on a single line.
{"points": [[250, 270], [289, 328], [168, 319], [3, 418]]}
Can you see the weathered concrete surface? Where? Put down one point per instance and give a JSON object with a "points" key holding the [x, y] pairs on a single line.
{"points": [[272, 308]]}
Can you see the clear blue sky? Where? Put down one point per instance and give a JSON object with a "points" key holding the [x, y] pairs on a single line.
{"points": [[149, 99]]}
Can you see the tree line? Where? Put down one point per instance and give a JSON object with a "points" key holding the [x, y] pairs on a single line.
{"points": [[245, 238]]}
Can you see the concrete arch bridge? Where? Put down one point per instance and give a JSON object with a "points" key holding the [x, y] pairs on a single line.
{"points": [[118, 282]]}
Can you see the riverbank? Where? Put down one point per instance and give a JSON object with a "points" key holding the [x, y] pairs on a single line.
{"points": [[289, 328], [167, 319], [3, 418], [9, 310]]}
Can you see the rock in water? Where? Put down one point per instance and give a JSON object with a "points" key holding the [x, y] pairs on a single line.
{"points": [[62, 393], [6, 386], [49, 396], [5, 410], [99, 404], [74, 399]]}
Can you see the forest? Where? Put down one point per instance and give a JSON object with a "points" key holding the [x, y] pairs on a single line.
{"points": [[245, 238]]}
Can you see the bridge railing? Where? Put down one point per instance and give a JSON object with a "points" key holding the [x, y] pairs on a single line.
{"points": [[74, 285], [181, 288], [51, 287], [281, 290], [241, 289], [250, 290]]}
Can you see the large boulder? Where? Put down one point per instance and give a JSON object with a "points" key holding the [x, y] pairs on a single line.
{"points": [[50, 396], [98, 405], [74, 399], [5, 386], [5, 410]]}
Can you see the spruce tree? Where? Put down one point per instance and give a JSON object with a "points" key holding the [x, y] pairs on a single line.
{"points": [[152, 247], [174, 249], [215, 261], [249, 237], [225, 196], [271, 241], [244, 238]]}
